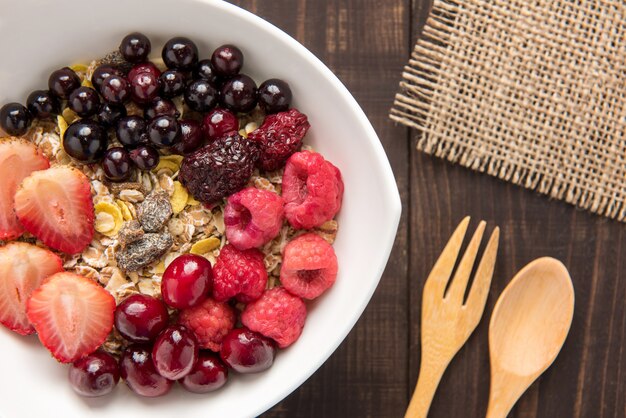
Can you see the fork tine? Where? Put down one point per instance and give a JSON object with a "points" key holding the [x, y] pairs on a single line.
{"points": [[440, 274], [462, 275], [482, 282]]}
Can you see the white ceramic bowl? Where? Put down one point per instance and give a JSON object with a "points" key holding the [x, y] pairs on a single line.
{"points": [[39, 36]]}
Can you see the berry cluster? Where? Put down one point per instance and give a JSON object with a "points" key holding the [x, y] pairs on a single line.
{"points": [[209, 319], [214, 90]]}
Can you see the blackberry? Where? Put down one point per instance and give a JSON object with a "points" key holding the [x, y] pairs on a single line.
{"points": [[219, 169], [279, 137]]}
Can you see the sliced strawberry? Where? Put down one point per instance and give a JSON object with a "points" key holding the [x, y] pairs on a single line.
{"points": [[55, 205], [72, 315], [18, 158], [22, 269]]}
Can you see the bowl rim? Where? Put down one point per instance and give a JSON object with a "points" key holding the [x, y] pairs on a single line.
{"points": [[388, 194]]}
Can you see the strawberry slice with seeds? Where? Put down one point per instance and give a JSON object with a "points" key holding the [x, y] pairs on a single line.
{"points": [[55, 205], [72, 315], [22, 269], [18, 158]]}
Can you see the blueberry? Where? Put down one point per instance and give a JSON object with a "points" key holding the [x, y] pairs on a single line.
{"points": [[63, 82], [163, 131], [227, 60], [180, 53], [130, 131], [274, 96], [135, 47], [201, 96], [43, 104], [84, 101], [85, 141], [15, 119], [117, 164], [239, 94]]}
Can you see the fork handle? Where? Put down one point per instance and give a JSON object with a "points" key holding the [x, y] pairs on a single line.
{"points": [[427, 382]]}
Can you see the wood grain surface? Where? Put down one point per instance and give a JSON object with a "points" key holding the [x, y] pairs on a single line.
{"points": [[374, 371]]}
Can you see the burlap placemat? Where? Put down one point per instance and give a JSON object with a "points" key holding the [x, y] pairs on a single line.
{"points": [[532, 92]]}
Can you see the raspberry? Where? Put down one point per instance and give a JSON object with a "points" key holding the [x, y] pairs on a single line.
{"points": [[312, 189], [309, 266], [220, 168], [253, 217], [239, 274], [210, 322], [278, 137], [278, 315]]}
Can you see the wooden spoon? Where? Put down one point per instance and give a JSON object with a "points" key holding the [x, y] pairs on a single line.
{"points": [[528, 327]]}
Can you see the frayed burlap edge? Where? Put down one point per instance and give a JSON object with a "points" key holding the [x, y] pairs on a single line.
{"points": [[412, 107]]}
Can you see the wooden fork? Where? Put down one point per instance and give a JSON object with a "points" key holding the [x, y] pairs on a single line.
{"points": [[447, 322]]}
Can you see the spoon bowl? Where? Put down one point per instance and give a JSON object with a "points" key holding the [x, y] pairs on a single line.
{"points": [[528, 327]]}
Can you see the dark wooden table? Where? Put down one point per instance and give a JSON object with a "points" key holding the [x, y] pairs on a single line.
{"points": [[372, 374]]}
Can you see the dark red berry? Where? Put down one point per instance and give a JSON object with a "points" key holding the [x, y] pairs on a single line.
{"points": [[191, 136], [130, 130], [102, 72], [135, 47], [144, 87], [109, 113], [227, 60], [163, 131], [161, 107], [95, 374], [137, 369], [84, 101], [172, 83], [209, 374], [15, 119], [85, 141], [144, 67], [42, 104], [115, 89], [239, 94], [219, 169], [201, 96], [274, 95], [204, 70], [247, 351], [187, 281], [117, 164], [141, 318], [62, 82], [145, 157], [278, 137], [218, 122], [180, 53], [175, 352]]}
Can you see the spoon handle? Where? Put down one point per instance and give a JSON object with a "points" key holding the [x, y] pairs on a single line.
{"points": [[427, 382], [504, 392]]}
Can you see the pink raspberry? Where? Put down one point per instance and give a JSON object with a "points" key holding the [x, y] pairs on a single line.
{"points": [[309, 266], [253, 217], [312, 189], [210, 322], [278, 315], [278, 137], [239, 274]]}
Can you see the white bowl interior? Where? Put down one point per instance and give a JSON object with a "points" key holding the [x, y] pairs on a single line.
{"points": [[40, 36]]}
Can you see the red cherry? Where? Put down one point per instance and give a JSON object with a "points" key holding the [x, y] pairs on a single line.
{"points": [[247, 351], [140, 318], [137, 369], [187, 281], [219, 122], [208, 375], [175, 352], [144, 67]]}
